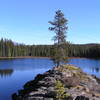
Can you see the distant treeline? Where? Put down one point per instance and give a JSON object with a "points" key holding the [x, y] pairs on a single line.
{"points": [[9, 48], [85, 50]]}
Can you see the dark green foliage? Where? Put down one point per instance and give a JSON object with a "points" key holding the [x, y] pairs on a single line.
{"points": [[59, 48], [60, 91], [10, 49], [86, 50], [59, 55]]}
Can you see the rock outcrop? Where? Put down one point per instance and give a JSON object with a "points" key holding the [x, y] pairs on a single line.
{"points": [[65, 82]]}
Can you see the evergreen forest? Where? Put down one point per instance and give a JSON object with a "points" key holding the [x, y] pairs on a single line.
{"points": [[8, 48]]}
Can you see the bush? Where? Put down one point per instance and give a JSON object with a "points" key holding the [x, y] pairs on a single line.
{"points": [[60, 91]]}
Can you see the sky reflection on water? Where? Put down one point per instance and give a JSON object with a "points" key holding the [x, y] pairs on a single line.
{"points": [[15, 73]]}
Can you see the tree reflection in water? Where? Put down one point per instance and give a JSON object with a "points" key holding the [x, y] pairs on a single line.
{"points": [[96, 69], [6, 72]]}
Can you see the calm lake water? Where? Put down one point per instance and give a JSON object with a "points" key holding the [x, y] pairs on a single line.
{"points": [[14, 73]]}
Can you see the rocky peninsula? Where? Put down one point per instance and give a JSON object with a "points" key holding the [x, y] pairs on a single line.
{"points": [[65, 82]]}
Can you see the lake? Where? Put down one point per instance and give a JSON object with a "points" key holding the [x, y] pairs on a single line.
{"points": [[14, 73]]}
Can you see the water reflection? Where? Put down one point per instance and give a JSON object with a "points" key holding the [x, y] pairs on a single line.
{"points": [[25, 64], [6, 72], [90, 66], [96, 69], [19, 71]]}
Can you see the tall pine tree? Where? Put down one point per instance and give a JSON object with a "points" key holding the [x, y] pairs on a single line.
{"points": [[59, 26]]}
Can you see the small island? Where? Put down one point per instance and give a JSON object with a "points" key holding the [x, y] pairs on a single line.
{"points": [[65, 82]]}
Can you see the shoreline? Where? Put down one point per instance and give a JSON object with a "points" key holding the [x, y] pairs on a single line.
{"points": [[79, 85], [18, 57]]}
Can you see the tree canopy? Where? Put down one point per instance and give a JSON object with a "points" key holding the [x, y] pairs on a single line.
{"points": [[8, 48], [59, 26]]}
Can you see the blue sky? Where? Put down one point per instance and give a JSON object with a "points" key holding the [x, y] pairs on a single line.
{"points": [[26, 21]]}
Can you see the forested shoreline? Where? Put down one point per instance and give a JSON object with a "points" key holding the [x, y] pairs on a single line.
{"points": [[8, 48]]}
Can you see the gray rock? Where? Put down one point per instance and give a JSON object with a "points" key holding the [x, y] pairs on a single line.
{"points": [[78, 84]]}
